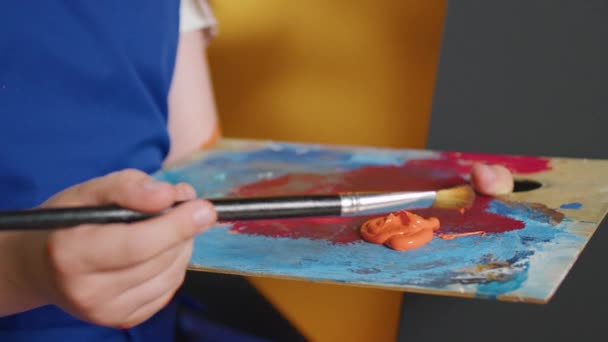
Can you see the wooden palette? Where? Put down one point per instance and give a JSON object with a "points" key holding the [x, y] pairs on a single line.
{"points": [[532, 239]]}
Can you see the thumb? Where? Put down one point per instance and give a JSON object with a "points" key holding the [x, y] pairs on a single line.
{"points": [[491, 180]]}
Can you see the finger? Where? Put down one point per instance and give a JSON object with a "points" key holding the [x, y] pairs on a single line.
{"points": [[148, 310], [127, 308], [129, 188], [118, 281], [491, 180], [151, 296], [120, 246]]}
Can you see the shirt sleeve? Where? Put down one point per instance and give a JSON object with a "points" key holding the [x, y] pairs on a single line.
{"points": [[197, 15]]}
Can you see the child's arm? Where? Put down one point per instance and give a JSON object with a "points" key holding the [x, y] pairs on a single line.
{"points": [[193, 120]]}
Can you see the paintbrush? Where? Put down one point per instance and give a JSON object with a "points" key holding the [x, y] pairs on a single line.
{"points": [[249, 208]]}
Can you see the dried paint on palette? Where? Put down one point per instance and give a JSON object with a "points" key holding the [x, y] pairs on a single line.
{"points": [[412, 175], [520, 238]]}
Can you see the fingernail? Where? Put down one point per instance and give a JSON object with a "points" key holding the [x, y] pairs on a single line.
{"points": [[203, 217], [152, 185]]}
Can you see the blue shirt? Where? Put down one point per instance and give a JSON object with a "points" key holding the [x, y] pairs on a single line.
{"points": [[83, 92]]}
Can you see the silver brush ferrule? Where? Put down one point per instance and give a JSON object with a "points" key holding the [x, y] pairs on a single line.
{"points": [[362, 203]]}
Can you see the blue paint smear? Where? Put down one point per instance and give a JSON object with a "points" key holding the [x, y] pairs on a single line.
{"points": [[520, 210], [489, 266], [492, 289], [219, 172], [438, 265], [573, 205]]}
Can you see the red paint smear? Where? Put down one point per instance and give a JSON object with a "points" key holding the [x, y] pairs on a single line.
{"points": [[462, 162], [474, 219], [414, 175]]}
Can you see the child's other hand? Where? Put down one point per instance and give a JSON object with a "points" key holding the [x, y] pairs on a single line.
{"points": [[119, 275], [491, 180]]}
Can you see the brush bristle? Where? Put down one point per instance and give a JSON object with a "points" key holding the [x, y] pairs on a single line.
{"points": [[455, 198]]}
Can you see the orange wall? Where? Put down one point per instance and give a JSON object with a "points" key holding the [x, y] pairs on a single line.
{"points": [[337, 71]]}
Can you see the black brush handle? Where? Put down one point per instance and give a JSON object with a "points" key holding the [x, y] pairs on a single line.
{"points": [[228, 209], [238, 209], [49, 218]]}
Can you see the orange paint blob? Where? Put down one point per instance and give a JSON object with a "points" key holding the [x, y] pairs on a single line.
{"points": [[400, 231]]}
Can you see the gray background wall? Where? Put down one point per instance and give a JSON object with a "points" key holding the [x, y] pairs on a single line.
{"points": [[525, 77]]}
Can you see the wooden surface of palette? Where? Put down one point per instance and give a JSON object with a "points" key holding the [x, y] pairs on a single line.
{"points": [[533, 237]]}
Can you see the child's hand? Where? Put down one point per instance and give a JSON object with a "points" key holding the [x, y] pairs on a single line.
{"points": [[119, 275], [491, 180]]}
